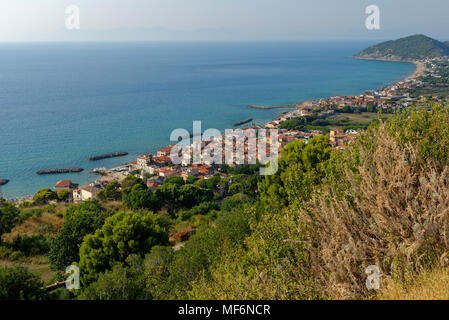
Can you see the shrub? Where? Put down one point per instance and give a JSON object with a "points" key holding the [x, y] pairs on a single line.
{"points": [[17, 283], [123, 234], [45, 195], [395, 214], [80, 220]]}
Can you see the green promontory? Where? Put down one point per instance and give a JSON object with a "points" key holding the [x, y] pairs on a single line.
{"points": [[415, 47]]}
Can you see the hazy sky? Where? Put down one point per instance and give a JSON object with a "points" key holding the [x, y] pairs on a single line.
{"points": [[117, 20]]}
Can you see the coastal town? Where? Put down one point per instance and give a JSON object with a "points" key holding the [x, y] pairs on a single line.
{"points": [[154, 169], [308, 204]]}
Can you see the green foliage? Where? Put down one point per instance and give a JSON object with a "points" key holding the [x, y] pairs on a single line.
{"points": [[202, 183], [63, 195], [130, 181], [186, 196], [191, 180], [156, 271], [141, 198], [191, 195], [124, 282], [179, 181], [301, 168], [234, 188], [9, 216], [45, 195], [297, 123], [235, 202], [29, 246], [201, 209], [428, 128], [17, 283], [123, 234], [200, 251], [415, 47], [248, 185], [112, 192], [80, 220], [168, 195]]}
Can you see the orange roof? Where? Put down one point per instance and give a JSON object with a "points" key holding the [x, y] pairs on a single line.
{"points": [[63, 184]]}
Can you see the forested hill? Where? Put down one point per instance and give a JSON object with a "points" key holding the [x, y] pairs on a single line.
{"points": [[410, 48]]}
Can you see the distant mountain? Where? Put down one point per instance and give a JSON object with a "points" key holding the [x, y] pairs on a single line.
{"points": [[410, 48]]}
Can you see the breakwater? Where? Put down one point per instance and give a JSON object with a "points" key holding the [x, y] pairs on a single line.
{"points": [[108, 155], [56, 171], [242, 122]]}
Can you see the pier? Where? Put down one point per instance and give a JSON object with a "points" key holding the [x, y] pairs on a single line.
{"points": [[56, 171], [109, 155], [242, 122]]}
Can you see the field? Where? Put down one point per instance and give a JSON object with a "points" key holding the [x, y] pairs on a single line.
{"points": [[354, 119]]}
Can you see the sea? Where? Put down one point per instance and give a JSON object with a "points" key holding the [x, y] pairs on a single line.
{"points": [[63, 102]]}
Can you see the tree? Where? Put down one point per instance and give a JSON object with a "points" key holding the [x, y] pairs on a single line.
{"points": [[63, 195], [111, 192], [195, 258], [191, 195], [45, 195], [201, 209], [123, 234], [123, 282], [179, 181], [80, 220], [168, 195], [17, 283], [300, 169], [191, 180], [248, 185], [130, 181], [9, 216], [141, 198]]}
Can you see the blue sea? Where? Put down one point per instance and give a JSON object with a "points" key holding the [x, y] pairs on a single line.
{"points": [[63, 102]]}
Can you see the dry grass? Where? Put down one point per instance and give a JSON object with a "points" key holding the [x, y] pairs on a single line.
{"points": [[46, 224], [114, 206], [433, 285], [395, 215]]}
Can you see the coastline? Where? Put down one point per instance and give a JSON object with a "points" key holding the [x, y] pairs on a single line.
{"points": [[420, 68]]}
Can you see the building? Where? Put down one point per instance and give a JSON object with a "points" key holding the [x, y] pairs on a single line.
{"points": [[154, 184], [87, 192], [65, 185]]}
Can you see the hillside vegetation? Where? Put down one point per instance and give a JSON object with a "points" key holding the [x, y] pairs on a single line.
{"points": [[307, 232], [415, 47]]}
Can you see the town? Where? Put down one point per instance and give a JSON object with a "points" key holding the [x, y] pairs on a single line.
{"points": [[306, 120]]}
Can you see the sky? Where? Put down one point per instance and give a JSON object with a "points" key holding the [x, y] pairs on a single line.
{"points": [[194, 20]]}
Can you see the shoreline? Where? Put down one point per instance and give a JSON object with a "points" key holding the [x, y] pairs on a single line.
{"points": [[419, 71], [420, 68]]}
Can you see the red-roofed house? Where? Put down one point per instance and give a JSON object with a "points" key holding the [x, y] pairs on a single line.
{"points": [[65, 185]]}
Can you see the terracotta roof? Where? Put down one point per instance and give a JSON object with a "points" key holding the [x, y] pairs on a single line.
{"points": [[63, 184]]}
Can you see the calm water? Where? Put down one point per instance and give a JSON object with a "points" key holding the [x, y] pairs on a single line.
{"points": [[60, 103]]}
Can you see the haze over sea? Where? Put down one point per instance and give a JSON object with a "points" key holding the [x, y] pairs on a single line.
{"points": [[63, 102]]}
